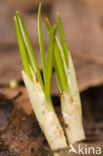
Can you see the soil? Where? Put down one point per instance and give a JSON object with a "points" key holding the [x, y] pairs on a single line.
{"points": [[20, 134]]}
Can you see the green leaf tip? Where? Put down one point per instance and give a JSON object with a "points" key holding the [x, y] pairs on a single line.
{"points": [[50, 61], [63, 41], [22, 49], [48, 25], [41, 43], [17, 13], [31, 55]]}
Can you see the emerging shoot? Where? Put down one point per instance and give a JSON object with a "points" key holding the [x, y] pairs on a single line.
{"points": [[39, 91], [66, 78], [70, 99]]}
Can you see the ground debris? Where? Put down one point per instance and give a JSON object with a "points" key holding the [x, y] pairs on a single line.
{"points": [[22, 135]]}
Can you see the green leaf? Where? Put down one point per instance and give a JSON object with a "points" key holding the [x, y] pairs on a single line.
{"points": [[58, 63], [48, 25], [60, 70], [31, 54], [50, 61], [63, 41], [22, 49], [59, 81], [42, 51]]}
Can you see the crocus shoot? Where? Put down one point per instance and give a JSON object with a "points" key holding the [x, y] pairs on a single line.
{"points": [[39, 91], [67, 83], [70, 98], [38, 88]]}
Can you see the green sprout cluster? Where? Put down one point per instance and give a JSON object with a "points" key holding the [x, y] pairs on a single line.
{"points": [[54, 56]]}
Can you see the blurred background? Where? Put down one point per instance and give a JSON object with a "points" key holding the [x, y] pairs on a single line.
{"points": [[83, 27]]}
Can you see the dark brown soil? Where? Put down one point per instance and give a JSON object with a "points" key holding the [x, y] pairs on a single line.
{"points": [[20, 134]]}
